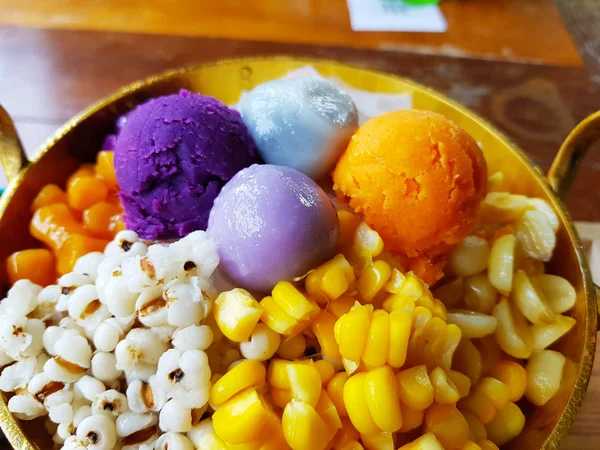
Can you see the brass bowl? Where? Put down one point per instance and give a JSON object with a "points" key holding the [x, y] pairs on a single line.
{"points": [[80, 139]]}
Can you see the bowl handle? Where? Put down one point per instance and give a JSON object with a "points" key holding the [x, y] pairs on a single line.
{"points": [[569, 157], [12, 155]]}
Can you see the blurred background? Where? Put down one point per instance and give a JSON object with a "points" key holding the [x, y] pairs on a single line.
{"points": [[531, 67]]}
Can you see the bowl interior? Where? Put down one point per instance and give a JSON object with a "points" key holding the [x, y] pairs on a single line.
{"points": [[80, 139]]}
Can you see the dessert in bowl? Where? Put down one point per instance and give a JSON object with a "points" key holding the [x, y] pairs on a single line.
{"points": [[509, 285]]}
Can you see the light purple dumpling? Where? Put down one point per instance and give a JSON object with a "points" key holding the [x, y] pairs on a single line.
{"points": [[271, 223]]}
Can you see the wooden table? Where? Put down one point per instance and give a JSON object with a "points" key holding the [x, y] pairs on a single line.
{"points": [[534, 95]]}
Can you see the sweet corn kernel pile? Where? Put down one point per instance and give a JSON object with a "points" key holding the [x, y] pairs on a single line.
{"points": [[136, 349]]}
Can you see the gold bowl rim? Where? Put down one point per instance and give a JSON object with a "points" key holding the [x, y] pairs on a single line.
{"points": [[10, 425]]}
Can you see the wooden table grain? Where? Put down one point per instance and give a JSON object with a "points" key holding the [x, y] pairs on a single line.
{"points": [[511, 30], [47, 75]]}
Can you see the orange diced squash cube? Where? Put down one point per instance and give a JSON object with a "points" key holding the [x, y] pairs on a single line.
{"points": [[34, 264], [49, 195], [53, 224], [75, 247], [105, 168], [103, 219], [85, 191]]}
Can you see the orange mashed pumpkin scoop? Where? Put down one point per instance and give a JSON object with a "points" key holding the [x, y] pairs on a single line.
{"points": [[418, 179]]}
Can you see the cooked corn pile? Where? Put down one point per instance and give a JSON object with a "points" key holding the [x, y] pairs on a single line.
{"points": [[135, 350]]}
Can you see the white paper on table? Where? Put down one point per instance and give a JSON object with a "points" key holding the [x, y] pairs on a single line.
{"points": [[395, 15], [368, 104]]}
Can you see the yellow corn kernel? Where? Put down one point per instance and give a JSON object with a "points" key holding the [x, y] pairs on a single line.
{"points": [[345, 435], [461, 381], [355, 400], [368, 239], [380, 441], [326, 409], [472, 324], [326, 370], [280, 397], [330, 280], [352, 445], [277, 374], [512, 333], [254, 445], [469, 257], [274, 442], [487, 445], [203, 436], [544, 335], [450, 293], [303, 428], [428, 347], [495, 390], [292, 347], [479, 294], [237, 313], [536, 236], [305, 382], [351, 366], [275, 318], [335, 389], [544, 374], [381, 392], [478, 431], [293, 302], [471, 446], [413, 286], [503, 207], [400, 328], [425, 301], [312, 284], [394, 284], [243, 418], [352, 331], [479, 405], [426, 442], [495, 182], [514, 376], [558, 292], [448, 425], [414, 387], [376, 349], [420, 318], [397, 302], [502, 262], [507, 424], [341, 306], [334, 283], [372, 280], [322, 326], [467, 360], [411, 418], [360, 258], [444, 389], [348, 223], [453, 338], [439, 310], [530, 300], [247, 374], [541, 205]]}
